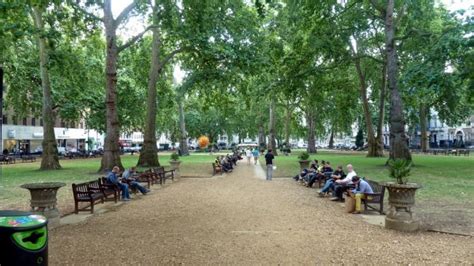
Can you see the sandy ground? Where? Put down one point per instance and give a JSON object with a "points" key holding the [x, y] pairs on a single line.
{"points": [[239, 218]]}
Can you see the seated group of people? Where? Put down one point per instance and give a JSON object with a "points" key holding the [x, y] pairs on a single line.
{"points": [[316, 172], [228, 162], [336, 182], [124, 181]]}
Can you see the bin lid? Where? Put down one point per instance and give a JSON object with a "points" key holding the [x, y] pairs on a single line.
{"points": [[18, 219]]}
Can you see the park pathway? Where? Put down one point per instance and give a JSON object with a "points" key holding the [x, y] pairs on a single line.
{"points": [[239, 218]]}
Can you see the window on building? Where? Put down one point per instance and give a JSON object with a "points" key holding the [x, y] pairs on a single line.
{"points": [[33, 121], [15, 120], [5, 119], [41, 122]]}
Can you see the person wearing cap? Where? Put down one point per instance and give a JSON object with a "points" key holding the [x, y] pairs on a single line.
{"points": [[359, 192]]}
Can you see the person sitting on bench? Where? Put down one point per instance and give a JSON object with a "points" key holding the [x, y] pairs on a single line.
{"points": [[338, 174], [358, 193], [226, 166], [127, 176], [112, 178], [307, 174], [320, 175], [342, 185]]}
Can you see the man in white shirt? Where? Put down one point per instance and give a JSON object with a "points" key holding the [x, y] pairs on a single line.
{"points": [[343, 184]]}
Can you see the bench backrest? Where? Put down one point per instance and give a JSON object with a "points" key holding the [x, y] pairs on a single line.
{"points": [[376, 187], [159, 170], [80, 190]]}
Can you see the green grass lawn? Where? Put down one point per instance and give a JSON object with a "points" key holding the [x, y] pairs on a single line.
{"points": [[80, 170], [442, 177]]}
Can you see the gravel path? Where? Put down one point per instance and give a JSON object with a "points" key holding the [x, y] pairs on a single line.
{"points": [[239, 218]]}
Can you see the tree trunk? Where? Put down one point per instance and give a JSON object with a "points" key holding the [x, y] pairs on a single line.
{"points": [[111, 155], [331, 139], [371, 143], [288, 125], [149, 153], [183, 144], [423, 126], [50, 158], [311, 131], [398, 139], [271, 137], [261, 135], [379, 138]]}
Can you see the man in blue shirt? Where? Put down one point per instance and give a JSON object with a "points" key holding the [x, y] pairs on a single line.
{"points": [[112, 178], [362, 188], [128, 177], [255, 154]]}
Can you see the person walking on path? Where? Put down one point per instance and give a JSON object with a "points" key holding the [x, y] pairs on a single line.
{"points": [[248, 154], [269, 161], [255, 154]]}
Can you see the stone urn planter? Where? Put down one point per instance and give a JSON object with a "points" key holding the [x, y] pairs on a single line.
{"points": [[401, 197], [304, 164], [304, 160], [43, 200], [175, 163]]}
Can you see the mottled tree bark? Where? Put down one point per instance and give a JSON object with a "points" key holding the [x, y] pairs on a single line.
{"points": [[49, 158], [111, 155], [261, 135], [398, 138], [331, 139], [288, 125], [272, 129], [149, 153], [379, 138], [183, 143], [311, 127], [423, 128], [373, 148]]}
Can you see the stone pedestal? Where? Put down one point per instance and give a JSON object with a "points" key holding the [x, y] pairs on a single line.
{"points": [[43, 200], [304, 164], [175, 166], [401, 198]]}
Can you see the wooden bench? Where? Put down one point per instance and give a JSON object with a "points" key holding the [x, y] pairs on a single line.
{"points": [[87, 192], [109, 190], [28, 158], [164, 174], [151, 176], [376, 198], [146, 177], [7, 159], [216, 169]]}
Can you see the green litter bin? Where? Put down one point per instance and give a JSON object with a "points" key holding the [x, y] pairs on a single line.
{"points": [[23, 238]]}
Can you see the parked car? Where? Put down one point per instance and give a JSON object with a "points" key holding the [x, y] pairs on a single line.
{"points": [[62, 151]]}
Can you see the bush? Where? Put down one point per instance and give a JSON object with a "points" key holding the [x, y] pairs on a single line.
{"points": [[303, 156], [174, 156], [399, 169]]}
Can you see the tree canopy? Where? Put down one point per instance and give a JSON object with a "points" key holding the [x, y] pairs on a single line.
{"points": [[272, 70]]}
